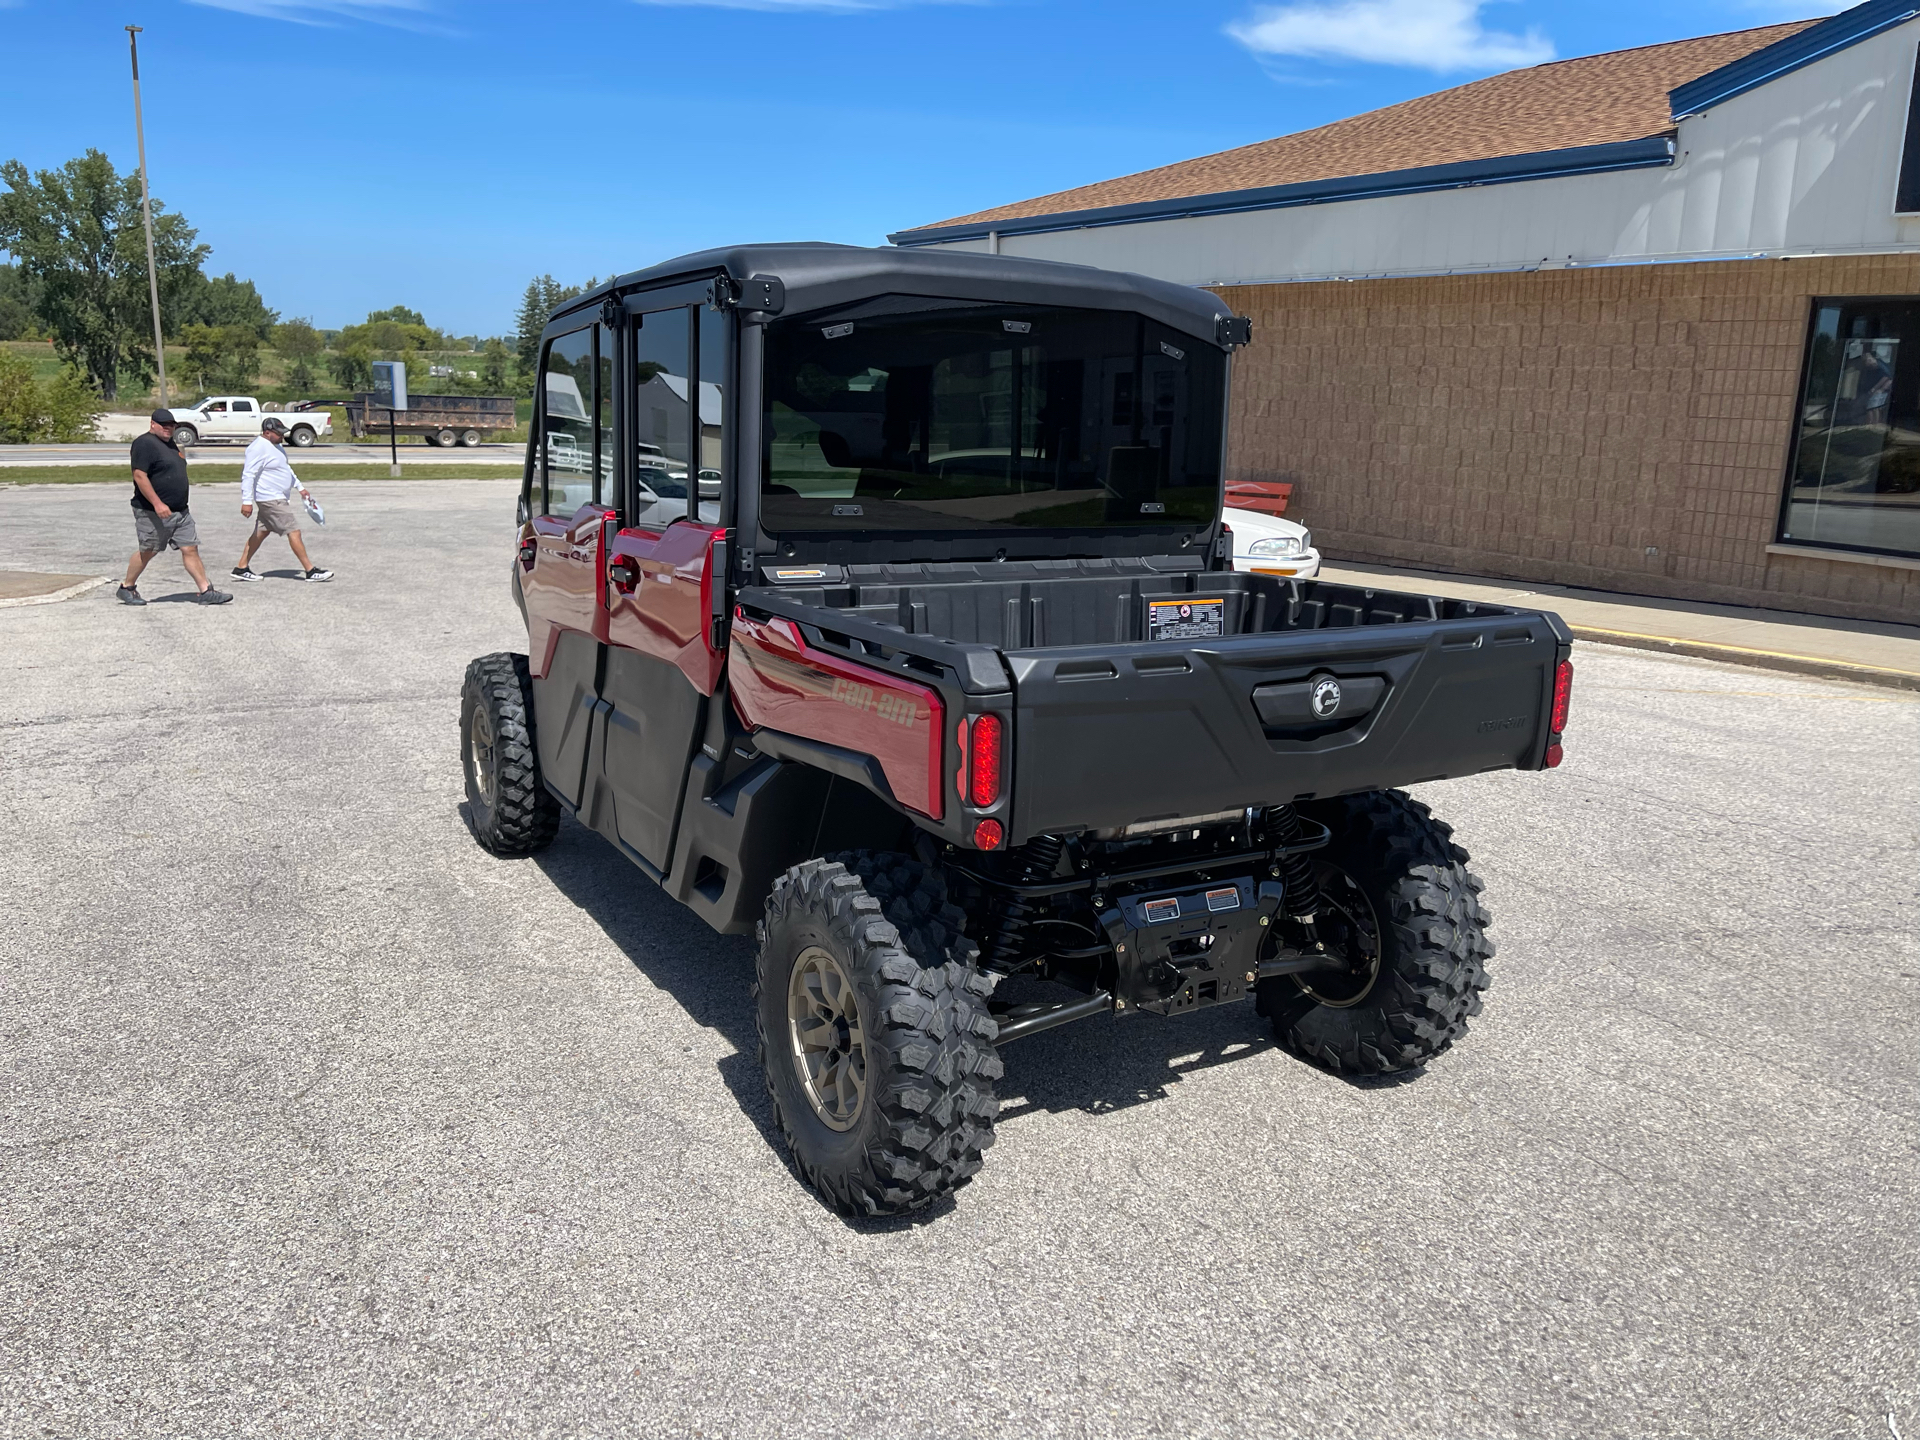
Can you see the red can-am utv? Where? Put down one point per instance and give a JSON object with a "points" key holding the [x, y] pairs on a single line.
{"points": [[878, 603]]}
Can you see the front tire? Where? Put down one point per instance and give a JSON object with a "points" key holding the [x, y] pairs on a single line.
{"points": [[1399, 901], [874, 1035], [185, 436], [513, 813]]}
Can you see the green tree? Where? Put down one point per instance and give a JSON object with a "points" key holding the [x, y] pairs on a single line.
{"points": [[495, 357], [76, 233], [543, 296], [221, 357], [351, 366], [222, 300], [63, 410], [400, 315], [17, 318], [301, 344]]}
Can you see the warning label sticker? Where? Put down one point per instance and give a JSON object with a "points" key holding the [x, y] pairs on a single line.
{"points": [[1184, 619]]}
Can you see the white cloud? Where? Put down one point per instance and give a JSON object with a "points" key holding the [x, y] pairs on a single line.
{"points": [[1437, 35], [323, 12]]}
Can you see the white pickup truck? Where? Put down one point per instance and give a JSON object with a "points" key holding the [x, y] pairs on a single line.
{"points": [[238, 417]]}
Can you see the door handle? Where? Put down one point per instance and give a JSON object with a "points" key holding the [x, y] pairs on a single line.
{"points": [[529, 548], [623, 574]]}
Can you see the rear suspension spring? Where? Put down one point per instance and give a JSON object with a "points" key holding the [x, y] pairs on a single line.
{"points": [[1033, 863], [1302, 898]]}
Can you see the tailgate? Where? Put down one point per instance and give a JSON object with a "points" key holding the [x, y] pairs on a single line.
{"points": [[1118, 734]]}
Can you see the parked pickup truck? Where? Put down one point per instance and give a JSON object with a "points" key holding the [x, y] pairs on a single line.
{"points": [[445, 420], [955, 701], [237, 417]]}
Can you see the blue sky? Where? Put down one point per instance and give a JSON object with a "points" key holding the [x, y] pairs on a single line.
{"points": [[354, 154]]}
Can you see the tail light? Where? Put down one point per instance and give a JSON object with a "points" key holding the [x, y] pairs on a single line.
{"points": [[1562, 701], [983, 761], [1562, 695], [987, 835]]}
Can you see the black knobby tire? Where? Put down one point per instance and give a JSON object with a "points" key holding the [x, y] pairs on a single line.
{"points": [[925, 1036], [512, 811], [1432, 942]]}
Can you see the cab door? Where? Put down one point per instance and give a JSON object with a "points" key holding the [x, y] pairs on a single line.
{"points": [[663, 659], [563, 556], [242, 421]]}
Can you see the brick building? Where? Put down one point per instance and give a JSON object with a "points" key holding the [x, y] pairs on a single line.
{"points": [[1646, 321]]}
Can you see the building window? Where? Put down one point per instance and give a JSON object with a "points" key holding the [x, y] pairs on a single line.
{"points": [[1906, 194], [1854, 483]]}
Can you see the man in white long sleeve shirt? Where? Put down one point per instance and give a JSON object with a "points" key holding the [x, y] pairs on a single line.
{"points": [[267, 483]]}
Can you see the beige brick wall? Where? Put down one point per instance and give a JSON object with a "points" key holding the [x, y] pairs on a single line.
{"points": [[1553, 426]]}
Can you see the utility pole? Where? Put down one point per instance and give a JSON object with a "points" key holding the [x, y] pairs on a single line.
{"points": [[146, 209]]}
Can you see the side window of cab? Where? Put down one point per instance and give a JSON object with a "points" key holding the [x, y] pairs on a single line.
{"points": [[568, 461]]}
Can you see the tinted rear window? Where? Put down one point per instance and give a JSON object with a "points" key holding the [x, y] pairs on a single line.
{"points": [[989, 418]]}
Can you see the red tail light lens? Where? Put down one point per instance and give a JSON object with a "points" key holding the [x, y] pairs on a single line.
{"points": [[1554, 755], [1562, 696], [983, 762], [988, 834]]}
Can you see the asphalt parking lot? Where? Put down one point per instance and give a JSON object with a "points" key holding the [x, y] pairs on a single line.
{"points": [[316, 1120]]}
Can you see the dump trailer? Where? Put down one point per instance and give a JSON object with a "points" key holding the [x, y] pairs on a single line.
{"points": [[439, 419]]}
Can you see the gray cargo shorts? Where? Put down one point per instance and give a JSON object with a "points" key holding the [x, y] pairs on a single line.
{"points": [[156, 532], [275, 517]]}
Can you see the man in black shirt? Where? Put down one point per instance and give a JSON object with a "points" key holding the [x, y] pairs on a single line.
{"points": [[160, 515]]}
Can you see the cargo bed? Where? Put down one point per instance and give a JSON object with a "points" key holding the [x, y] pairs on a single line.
{"points": [[1143, 692]]}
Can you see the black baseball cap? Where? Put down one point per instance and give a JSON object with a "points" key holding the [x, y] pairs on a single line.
{"points": [[270, 423], [162, 417]]}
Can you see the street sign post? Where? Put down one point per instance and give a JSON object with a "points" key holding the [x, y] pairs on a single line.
{"points": [[390, 392]]}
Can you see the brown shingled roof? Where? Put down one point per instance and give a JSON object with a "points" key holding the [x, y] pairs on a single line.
{"points": [[1593, 100]]}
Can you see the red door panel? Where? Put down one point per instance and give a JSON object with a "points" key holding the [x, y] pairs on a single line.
{"points": [[779, 683], [659, 598], [562, 586]]}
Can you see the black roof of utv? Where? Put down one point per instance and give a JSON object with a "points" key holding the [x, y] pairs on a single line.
{"points": [[819, 276]]}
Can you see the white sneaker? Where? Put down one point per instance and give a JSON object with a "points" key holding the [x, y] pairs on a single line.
{"points": [[317, 574], [247, 574]]}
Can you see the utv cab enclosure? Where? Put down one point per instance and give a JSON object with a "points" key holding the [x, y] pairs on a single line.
{"points": [[878, 604]]}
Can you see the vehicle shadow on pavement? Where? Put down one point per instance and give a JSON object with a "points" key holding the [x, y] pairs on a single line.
{"points": [[709, 976], [1107, 1064]]}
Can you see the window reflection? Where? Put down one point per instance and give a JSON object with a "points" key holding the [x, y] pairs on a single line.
{"points": [[567, 423], [1855, 478]]}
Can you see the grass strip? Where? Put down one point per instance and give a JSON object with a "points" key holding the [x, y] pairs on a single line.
{"points": [[205, 473]]}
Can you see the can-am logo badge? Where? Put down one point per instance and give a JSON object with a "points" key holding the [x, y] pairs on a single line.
{"points": [[1326, 697]]}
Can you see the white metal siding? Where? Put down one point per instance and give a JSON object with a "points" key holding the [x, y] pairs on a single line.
{"points": [[1804, 164]]}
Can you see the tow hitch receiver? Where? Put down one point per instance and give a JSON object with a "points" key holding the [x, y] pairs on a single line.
{"points": [[1181, 950]]}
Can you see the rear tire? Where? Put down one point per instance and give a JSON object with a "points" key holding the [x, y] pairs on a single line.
{"points": [[513, 813], [1398, 868], [302, 436], [469, 438], [874, 1034], [444, 439]]}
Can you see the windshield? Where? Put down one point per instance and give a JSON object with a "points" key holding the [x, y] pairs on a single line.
{"points": [[895, 416]]}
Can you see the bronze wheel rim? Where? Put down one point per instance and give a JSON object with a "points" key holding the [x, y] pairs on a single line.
{"points": [[1351, 929], [480, 755], [826, 1040]]}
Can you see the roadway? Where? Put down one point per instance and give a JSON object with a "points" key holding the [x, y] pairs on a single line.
{"points": [[319, 1121], [325, 453]]}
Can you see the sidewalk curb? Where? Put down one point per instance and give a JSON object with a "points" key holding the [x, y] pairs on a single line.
{"points": [[1811, 665], [56, 595]]}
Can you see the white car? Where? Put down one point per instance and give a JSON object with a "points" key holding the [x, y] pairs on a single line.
{"points": [[238, 417], [1268, 545]]}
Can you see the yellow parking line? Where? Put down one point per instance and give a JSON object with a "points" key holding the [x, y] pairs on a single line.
{"points": [[1592, 631]]}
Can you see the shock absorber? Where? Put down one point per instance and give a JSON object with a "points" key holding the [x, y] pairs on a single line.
{"points": [[1032, 863], [1302, 898]]}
